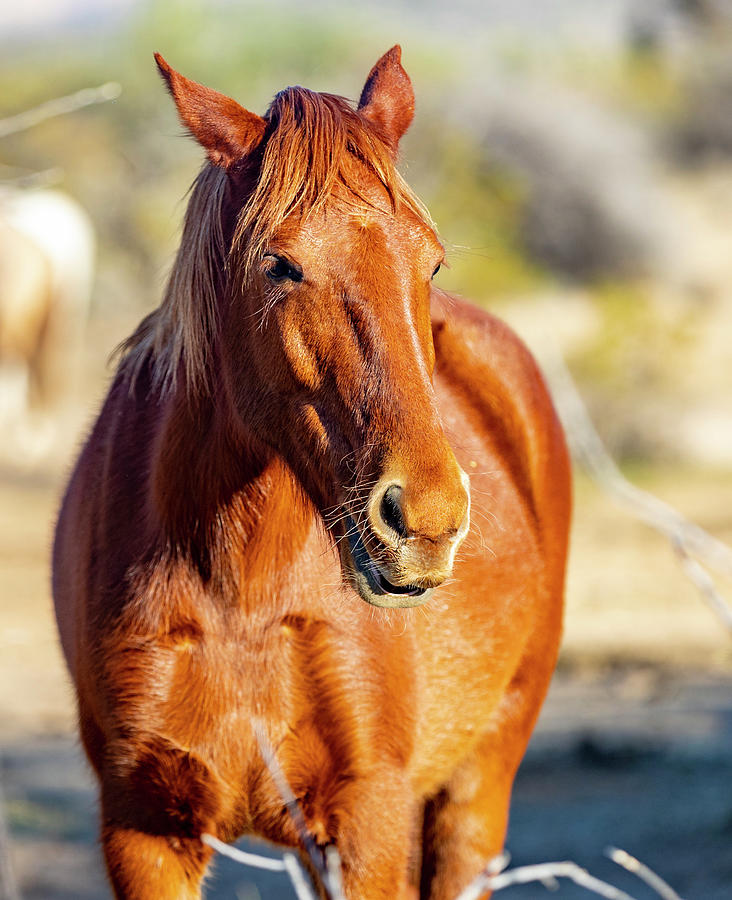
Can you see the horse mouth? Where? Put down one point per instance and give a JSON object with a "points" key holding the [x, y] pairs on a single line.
{"points": [[369, 580]]}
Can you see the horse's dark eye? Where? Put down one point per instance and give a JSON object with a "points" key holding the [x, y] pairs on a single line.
{"points": [[439, 266], [282, 269]]}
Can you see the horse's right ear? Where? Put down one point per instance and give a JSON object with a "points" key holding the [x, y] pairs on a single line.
{"points": [[225, 130], [387, 99]]}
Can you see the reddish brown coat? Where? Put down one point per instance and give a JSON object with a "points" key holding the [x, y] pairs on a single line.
{"points": [[303, 390]]}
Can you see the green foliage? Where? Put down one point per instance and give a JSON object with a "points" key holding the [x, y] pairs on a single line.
{"points": [[640, 81], [130, 164], [477, 209], [647, 84], [627, 324], [636, 345], [629, 371]]}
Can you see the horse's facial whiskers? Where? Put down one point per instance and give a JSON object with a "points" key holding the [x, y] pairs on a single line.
{"points": [[378, 556]]}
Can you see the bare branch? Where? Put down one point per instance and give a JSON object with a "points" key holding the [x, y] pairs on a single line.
{"points": [[332, 887], [335, 871], [303, 890], [289, 863], [494, 876], [624, 859], [545, 873], [59, 107], [27, 179], [691, 542], [241, 856], [701, 578]]}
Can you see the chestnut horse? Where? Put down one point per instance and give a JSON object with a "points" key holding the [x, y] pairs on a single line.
{"points": [[270, 523]]}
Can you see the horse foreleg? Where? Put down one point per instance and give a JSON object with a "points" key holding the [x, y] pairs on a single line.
{"points": [[153, 867], [376, 839], [383, 877], [465, 823], [153, 813]]}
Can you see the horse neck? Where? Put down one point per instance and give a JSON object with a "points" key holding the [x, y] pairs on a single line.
{"points": [[221, 493]]}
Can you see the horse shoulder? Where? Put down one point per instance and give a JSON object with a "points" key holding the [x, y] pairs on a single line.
{"points": [[495, 379]]}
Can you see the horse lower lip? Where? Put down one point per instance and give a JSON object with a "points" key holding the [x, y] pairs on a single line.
{"points": [[411, 590], [368, 568]]}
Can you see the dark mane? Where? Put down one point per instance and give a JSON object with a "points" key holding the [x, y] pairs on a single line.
{"points": [[311, 141]]}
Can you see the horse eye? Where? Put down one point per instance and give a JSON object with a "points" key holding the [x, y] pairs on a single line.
{"points": [[283, 270], [439, 266]]}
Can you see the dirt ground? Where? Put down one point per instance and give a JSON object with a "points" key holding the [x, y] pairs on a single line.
{"points": [[634, 747]]}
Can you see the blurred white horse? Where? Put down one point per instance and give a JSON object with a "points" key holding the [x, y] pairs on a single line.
{"points": [[47, 251]]}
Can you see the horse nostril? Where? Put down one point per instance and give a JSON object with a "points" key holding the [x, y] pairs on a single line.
{"points": [[391, 511]]}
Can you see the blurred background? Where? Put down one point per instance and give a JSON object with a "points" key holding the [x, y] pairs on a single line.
{"points": [[577, 159]]}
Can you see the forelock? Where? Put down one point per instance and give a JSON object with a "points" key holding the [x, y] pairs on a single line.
{"points": [[311, 142]]}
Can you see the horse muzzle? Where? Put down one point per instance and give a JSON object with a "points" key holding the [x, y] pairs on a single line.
{"points": [[372, 580], [402, 544]]}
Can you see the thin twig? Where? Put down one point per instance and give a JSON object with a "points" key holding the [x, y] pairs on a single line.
{"points": [[299, 882], [543, 872], [241, 856], [631, 864], [288, 797], [40, 179], [701, 578], [494, 876], [59, 107], [690, 542], [335, 871], [289, 863], [332, 887]]}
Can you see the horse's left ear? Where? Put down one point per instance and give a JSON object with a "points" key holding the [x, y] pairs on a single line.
{"points": [[225, 130], [387, 99]]}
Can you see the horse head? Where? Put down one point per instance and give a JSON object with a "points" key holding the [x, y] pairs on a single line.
{"points": [[323, 327]]}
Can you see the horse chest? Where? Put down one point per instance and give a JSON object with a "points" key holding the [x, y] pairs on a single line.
{"points": [[335, 702]]}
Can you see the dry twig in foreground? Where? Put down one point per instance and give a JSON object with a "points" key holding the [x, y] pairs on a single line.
{"points": [[495, 877], [662, 888], [327, 866]]}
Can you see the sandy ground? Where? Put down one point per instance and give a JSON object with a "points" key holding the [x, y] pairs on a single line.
{"points": [[634, 747]]}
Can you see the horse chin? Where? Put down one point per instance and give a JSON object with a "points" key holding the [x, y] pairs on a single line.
{"points": [[367, 579]]}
